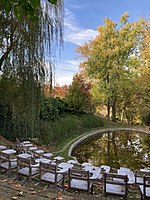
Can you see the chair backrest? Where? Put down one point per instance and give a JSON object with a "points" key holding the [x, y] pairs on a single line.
{"points": [[146, 186], [7, 162], [4, 156], [47, 167], [115, 184], [25, 167], [23, 162], [22, 165], [139, 176], [79, 176], [48, 173], [19, 146]]}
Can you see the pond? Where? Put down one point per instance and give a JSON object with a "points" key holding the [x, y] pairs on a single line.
{"points": [[117, 148]]}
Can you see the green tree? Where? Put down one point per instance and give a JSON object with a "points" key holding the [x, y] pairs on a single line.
{"points": [[112, 57], [27, 48], [78, 96], [23, 8]]}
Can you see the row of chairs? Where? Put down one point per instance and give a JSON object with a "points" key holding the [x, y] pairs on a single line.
{"points": [[47, 172], [78, 179]]}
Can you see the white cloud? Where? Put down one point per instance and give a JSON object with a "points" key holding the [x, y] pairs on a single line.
{"points": [[65, 70], [74, 33]]}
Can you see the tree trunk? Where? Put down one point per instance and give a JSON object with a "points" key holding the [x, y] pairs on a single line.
{"points": [[114, 111], [108, 110]]}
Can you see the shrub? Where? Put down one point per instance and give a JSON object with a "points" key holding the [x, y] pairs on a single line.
{"points": [[51, 108]]}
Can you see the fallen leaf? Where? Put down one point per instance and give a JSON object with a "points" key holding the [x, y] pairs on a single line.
{"points": [[31, 189], [14, 198], [66, 185], [18, 185], [48, 196], [59, 196], [10, 182], [20, 193], [32, 192], [5, 180]]}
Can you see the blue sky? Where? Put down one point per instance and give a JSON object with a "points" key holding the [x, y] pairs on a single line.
{"points": [[82, 17]]}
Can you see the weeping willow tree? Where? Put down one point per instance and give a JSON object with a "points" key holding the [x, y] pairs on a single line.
{"points": [[27, 52]]}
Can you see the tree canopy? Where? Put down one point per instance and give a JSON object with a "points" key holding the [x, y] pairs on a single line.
{"points": [[112, 61], [23, 8], [27, 53]]}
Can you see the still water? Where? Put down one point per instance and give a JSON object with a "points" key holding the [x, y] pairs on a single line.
{"points": [[120, 148]]}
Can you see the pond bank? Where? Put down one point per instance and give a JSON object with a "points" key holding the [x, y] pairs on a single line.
{"points": [[77, 141]]}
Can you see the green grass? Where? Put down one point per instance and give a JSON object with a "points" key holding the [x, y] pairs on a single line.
{"points": [[75, 127], [66, 125], [61, 133]]}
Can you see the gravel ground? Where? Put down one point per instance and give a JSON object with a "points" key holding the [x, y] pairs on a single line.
{"points": [[10, 189]]}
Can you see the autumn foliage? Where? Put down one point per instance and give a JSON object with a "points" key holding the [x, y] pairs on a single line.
{"points": [[79, 97]]}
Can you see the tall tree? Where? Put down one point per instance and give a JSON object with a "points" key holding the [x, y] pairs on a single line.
{"points": [[112, 56], [78, 96], [27, 48]]}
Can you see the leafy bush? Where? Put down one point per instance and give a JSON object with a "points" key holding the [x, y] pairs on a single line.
{"points": [[78, 96], [51, 108]]}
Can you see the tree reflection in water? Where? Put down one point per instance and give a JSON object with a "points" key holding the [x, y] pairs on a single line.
{"points": [[120, 148]]}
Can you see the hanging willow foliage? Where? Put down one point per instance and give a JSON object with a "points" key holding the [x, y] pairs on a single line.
{"points": [[27, 52]]}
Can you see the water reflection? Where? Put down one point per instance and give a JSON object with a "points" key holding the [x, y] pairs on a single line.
{"points": [[120, 148]]}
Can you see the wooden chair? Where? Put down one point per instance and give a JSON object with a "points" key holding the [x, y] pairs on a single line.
{"points": [[7, 162], [139, 176], [115, 185], [25, 168], [19, 146], [145, 188], [49, 174], [80, 180]]}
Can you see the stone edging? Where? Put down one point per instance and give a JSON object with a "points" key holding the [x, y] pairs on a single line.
{"points": [[102, 131]]}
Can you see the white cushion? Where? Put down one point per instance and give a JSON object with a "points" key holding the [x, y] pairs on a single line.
{"points": [[2, 147], [106, 168], [51, 177], [5, 165], [9, 151], [115, 189], [79, 184], [147, 190], [139, 180], [25, 171], [47, 155]]}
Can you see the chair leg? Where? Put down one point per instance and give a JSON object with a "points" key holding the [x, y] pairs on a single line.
{"points": [[55, 185], [17, 177], [63, 183], [91, 190], [29, 178], [40, 182], [141, 196], [9, 172]]}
